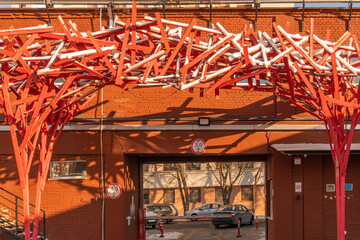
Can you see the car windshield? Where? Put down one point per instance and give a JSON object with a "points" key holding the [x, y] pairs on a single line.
{"points": [[227, 209]]}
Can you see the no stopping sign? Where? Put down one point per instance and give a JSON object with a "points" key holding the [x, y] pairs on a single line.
{"points": [[198, 146]]}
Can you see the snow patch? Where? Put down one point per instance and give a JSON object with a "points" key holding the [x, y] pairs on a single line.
{"points": [[167, 235]]}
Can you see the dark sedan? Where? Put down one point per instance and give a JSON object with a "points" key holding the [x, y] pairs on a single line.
{"points": [[230, 214]]}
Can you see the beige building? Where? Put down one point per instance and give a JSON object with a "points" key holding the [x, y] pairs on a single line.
{"points": [[161, 184]]}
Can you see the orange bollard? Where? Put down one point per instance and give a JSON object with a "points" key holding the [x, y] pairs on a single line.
{"points": [[239, 223], [257, 222], [161, 227]]}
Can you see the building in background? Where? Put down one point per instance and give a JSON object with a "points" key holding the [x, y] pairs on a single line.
{"points": [[203, 183]]}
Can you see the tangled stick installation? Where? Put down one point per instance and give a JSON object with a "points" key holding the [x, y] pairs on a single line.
{"points": [[48, 77]]}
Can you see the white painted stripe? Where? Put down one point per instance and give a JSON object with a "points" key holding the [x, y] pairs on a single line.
{"points": [[306, 147], [248, 127]]}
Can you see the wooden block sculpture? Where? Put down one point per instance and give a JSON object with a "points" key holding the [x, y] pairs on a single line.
{"points": [[48, 77]]}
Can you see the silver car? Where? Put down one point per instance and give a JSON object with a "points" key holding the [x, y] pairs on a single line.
{"points": [[205, 210], [231, 214]]}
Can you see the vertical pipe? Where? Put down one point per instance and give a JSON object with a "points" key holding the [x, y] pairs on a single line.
{"points": [[26, 207], [163, 8], [349, 20], [102, 167], [16, 215], [342, 205], [44, 225], [337, 191], [256, 14], [303, 16], [37, 204], [210, 20], [48, 14]]}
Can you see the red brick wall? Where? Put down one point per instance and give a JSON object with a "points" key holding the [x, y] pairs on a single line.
{"points": [[352, 203], [313, 197], [139, 103], [282, 222], [298, 201]]}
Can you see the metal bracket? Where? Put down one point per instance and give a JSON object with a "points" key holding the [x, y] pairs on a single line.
{"points": [[210, 20], [349, 20], [302, 16], [257, 5], [163, 7], [110, 8], [48, 4]]}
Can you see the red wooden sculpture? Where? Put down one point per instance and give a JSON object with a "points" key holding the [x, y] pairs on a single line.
{"points": [[48, 77]]}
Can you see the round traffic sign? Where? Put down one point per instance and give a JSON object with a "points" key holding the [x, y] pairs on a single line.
{"points": [[113, 190], [198, 146]]}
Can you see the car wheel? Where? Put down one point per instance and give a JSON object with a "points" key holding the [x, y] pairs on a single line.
{"points": [[193, 215], [216, 225], [252, 220]]}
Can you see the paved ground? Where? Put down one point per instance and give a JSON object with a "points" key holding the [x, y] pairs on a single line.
{"points": [[200, 230]]}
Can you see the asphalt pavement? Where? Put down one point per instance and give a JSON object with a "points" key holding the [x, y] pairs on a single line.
{"points": [[199, 230]]}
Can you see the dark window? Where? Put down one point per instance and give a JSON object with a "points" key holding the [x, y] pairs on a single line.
{"points": [[246, 193], [169, 166], [192, 166], [195, 195], [207, 206], [169, 195], [218, 194], [146, 196], [68, 170]]}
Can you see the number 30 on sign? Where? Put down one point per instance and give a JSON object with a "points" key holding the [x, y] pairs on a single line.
{"points": [[113, 190], [198, 146]]}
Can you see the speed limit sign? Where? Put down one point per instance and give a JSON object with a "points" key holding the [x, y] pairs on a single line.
{"points": [[113, 190], [198, 146]]}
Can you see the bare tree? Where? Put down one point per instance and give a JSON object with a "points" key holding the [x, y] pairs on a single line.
{"points": [[259, 174], [183, 187], [226, 177]]}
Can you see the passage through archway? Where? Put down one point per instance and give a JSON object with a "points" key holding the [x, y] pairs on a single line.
{"points": [[188, 192]]}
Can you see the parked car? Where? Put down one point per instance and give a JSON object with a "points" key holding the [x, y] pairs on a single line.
{"points": [[205, 210], [163, 210], [235, 212], [151, 219]]}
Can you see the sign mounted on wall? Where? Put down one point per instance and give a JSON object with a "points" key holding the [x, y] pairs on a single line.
{"points": [[298, 187], [113, 190], [330, 187], [198, 146], [348, 186]]}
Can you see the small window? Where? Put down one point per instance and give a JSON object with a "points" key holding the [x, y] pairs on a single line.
{"points": [[169, 167], [195, 195], [246, 193], [146, 196], [192, 166], [218, 194], [68, 170], [169, 195]]}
